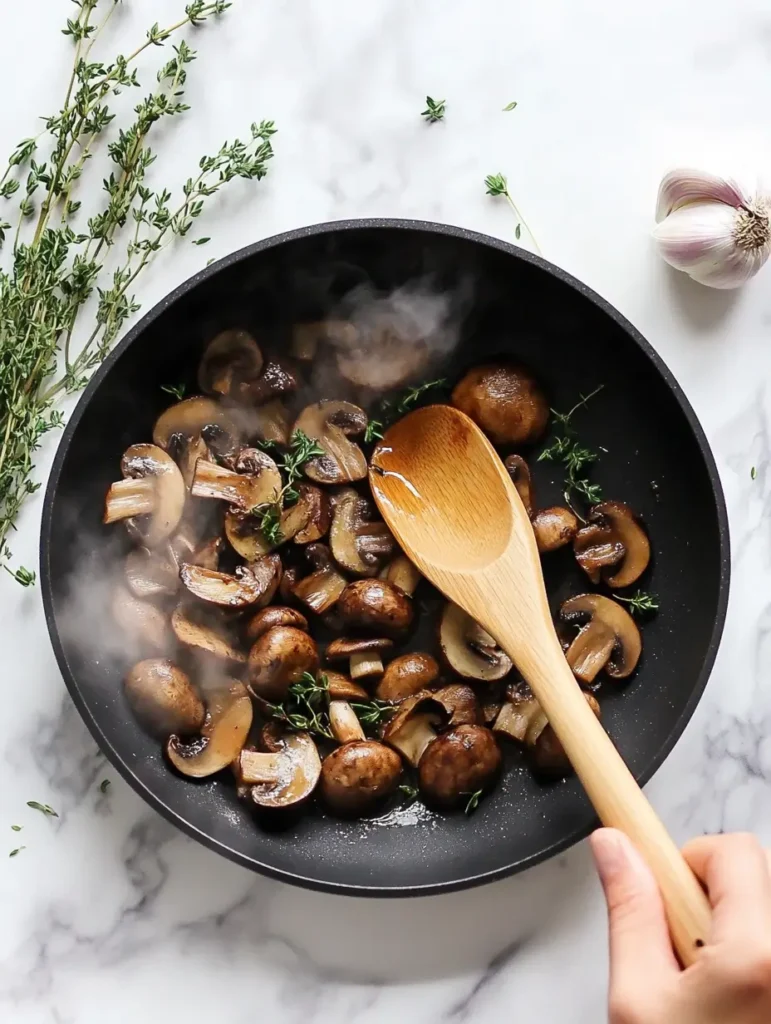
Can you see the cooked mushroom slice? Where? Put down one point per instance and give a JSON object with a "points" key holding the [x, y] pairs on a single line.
{"points": [[268, 422], [331, 424], [458, 764], [505, 401], [275, 615], [323, 587], [383, 359], [284, 777], [460, 703], [151, 574], [289, 580], [468, 649], [358, 544], [186, 451], [207, 554], [223, 735], [402, 574], [246, 586], [230, 359], [307, 337], [260, 486], [152, 487], [143, 623], [517, 713], [554, 528], [608, 639], [414, 726], [244, 533], [189, 418], [547, 755], [319, 517], [204, 636], [364, 654], [278, 659], [519, 471], [277, 379], [163, 698], [613, 528], [358, 776], [376, 606], [406, 675], [341, 688]]}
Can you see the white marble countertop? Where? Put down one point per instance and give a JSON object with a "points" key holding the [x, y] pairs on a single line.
{"points": [[109, 914]]}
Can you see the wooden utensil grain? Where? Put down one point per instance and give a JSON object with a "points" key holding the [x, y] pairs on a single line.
{"points": [[450, 503]]}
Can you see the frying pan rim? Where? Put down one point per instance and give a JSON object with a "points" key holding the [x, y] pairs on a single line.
{"points": [[275, 241]]}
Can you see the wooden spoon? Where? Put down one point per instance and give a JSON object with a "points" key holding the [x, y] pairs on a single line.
{"points": [[452, 506]]}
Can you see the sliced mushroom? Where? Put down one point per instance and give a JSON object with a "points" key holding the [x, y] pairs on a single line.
{"points": [[414, 726], [376, 606], [517, 713], [186, 451], [358, 776], [152, 487], [358, 544], [244, 533], [323, 587], [505, 401], [554, 528], [470, 651], [268, 422], [289, 580], [307, 337], [401, 572], [319, 514], [207, 554], [407, 675], [163, 698], [608, 638], [331, 424], [460, 703], [189, 418], [275, 615], [230, 359], [193, 631], [260, 486], [281, 778], [143, 624], [151, 573], [341, 688], [364, 655], [223, 735], [612, 538], [519, 471], [383, 358], [277, 379], [246, 586], [459, 764], [280, 658], [547, 755]]}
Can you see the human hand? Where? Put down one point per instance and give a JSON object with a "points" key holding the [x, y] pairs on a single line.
{"points": [[730, 983]]}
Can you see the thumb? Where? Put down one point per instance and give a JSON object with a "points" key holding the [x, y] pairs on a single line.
{"points": [[640, 947]]}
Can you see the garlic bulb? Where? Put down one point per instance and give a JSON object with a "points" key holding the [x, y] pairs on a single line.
{"points": [[714, 229]]}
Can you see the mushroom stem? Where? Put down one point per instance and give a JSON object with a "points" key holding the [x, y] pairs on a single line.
{"points": [[366, 664], [253, 767], [401, 572], [244, 490], [321, 589], [345, 726], [127, 498]]}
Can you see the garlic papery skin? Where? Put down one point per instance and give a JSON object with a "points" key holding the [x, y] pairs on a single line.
{"points": [[712, 228]]}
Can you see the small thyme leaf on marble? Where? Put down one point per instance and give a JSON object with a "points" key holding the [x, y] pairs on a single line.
{"points": [[24, 577], [473, 802], [178, 390], [17, 851], [43, 808], [753, 473], [497, 185], [16, 828], [434, 111], [201, 241], [511, 106], [641, 603], [104, 785]]}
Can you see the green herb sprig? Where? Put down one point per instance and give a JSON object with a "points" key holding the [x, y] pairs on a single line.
{"points": [[574, 456], [640, 603], [435, 110], [177, 390], [390, 409], [373, 712], [301, 450], [306, 709], [43, 808], [497, 185], [473, 802], [410, 793]]}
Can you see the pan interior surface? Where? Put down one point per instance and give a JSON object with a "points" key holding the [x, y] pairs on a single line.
{"points": [[653, 456]]}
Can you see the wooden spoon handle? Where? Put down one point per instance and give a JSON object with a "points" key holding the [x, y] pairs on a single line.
{"points": [[611, 787]]}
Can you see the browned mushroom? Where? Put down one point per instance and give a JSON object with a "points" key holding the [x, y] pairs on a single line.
{"points": [[341, 688], [323, 587], [163, 698], [519, 471], [230, 359], [608, 638], [269, 422], [245, 535], [223, 734], [613, 545], [376, 606], [458, 765], [361, 773], [152, 488], [331, 424], [143, 624], [152, 573], [470, 651], [246, 586], [245, 490], [306, 337], [505, 401], [406, 675], [414, 726], [186, 451], [283, 777], [554, 527], [319, 514], [518, 711], [278, 659], [358, 543], [275, 615], [401, 572], [194, 628], [365, 655], [460, 703], [189, 418], [546, 754], [277, 379], [206, 555], [383, 357]]}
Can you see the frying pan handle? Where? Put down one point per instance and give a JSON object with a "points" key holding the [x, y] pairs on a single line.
{"points": [[611, 787]]}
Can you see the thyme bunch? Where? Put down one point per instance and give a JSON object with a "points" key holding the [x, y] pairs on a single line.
{"points": [[575, 457], [390, 409]]}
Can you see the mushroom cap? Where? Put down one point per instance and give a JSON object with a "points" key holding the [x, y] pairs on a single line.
{"points": [[278, 659], [358, 544], [163, 698], [470, 651], [457, 764], [188, 418], [223, 735], [143, 623], [413, 728], [358, 776], [519, 471], [407, 675], [230, 358], [274, 615], [149, 463], [342, 648], [383, 358], [331, 424], [376, 605], [244, 533], [277, 379], [319, 514], [342, 688], [547, 755], [613, 537], [151, 573], [554, 527], [203, 636], [298, 776], [505, 401], [460, 703], [598, 617], [245, 587]]}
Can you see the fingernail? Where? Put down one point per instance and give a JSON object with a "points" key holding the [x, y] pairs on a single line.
{"points": [[610, 854]]}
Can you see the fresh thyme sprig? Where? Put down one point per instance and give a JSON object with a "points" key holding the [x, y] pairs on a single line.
{"points": [[435, 110], [410, 793], [473, 802], [497, 185], [306, 709], [178, 390], [301, 450], [55, 268], [574, 456], [640, 603], [373, 712], [391, 408]]}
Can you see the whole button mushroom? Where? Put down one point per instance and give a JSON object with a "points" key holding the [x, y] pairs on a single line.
{"points": [[406, 675], [163, 698], [278, 659], [274, 615], [223, 733], [458, 764], [376, 605], [505, 401], [361, 773]]}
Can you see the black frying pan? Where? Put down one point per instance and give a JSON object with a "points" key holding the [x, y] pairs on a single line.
{"points": [[511, 303]]}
